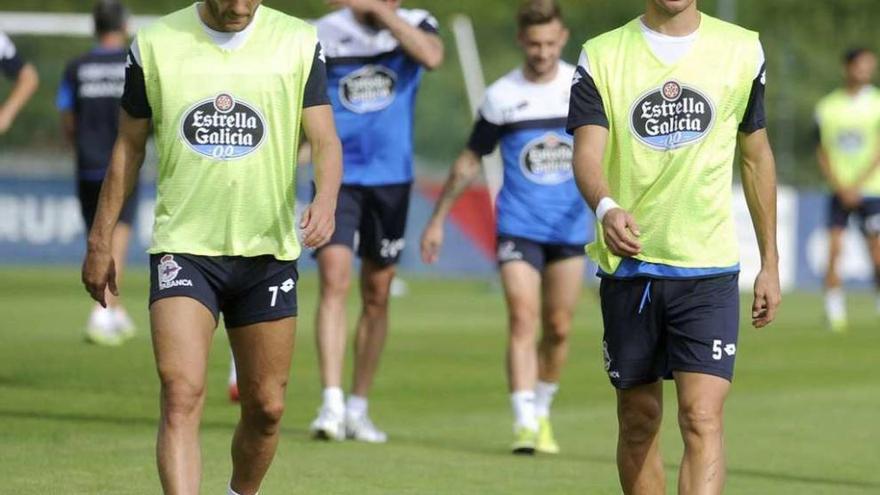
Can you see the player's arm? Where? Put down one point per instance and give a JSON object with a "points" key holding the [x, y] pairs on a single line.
{"points": [[420, 42], [868, 174], [461, 175], [65, 102], [99, 270], [319, 219], [589, 124], [759, 183], [26, 83]]}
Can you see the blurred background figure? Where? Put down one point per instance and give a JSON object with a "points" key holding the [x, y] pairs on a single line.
{"points": [[849, 156], [88, 99], [26, 82]]}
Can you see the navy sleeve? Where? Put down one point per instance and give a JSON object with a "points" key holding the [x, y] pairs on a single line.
{"points": [[316, 87], [586, 106], [10, 61], [134, 98], [484, 138], [755, 118]]}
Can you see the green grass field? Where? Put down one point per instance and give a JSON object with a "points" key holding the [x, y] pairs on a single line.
{"points": [[77, 419]]}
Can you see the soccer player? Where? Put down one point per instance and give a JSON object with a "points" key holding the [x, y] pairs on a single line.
{"points": [[542, 219], [227, 86], [376, 54], [658, 109], [26, 82], [849, 157], [88, 99]]}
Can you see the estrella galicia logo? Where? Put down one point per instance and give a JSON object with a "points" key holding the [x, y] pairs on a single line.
{"points": [[547, 159], [368, 89], [223, 128], [672, 117]]}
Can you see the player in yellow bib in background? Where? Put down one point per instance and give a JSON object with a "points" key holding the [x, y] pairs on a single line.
{"points": [[227, 86], [658, 107], [849, 157]]}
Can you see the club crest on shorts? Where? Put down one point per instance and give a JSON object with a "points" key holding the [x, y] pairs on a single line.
{"points": [[223, 128], [546, 160], [369, 89], [672, 116], [168, 270]]}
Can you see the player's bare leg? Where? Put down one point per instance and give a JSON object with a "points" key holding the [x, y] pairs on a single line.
{"points": [[372, 327], [182, 329], [263, 353], [639, 414], [334, 263], [561, 287], [562, 282], [874, 250], [835, 300], [522, 292], [701, 418], [334, 267]]}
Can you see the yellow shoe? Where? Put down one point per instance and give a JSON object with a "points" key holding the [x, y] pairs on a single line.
{"points": [[524, 441], [546, 442]]}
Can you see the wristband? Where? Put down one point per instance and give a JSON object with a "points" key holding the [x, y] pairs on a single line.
{"points": [[605, 205]]}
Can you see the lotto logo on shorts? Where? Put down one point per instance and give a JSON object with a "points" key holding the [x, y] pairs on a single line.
{"points": [[507, 252], [369, 89], [168, 271], [223, 128], [672, 116]]}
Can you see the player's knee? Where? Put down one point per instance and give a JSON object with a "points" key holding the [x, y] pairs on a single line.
{"points": [[264, 415], [700, 421], [639, 423], [375, 299], [335, 283], [557, 327], [181, 401]]}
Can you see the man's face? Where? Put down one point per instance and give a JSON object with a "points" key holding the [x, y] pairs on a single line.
{"points": [[673, 7], [542, 45], [861, 71], [232, 15]]}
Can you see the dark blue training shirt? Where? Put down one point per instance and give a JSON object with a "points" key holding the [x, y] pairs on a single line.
{"points": [[91, 89]]}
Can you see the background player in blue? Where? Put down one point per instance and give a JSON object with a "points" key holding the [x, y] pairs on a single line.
{"points": [[88, 100], [376, 53], [542, 220], [26, 82]]}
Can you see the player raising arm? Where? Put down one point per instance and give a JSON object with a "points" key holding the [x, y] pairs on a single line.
{"points": [[26, 82], [227, 85], [658, 107]]}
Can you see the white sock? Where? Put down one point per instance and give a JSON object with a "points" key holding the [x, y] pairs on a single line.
{"points": [[523, 402], [544, 393], [835, 304], [230, 491], [334, 399], [356, 406], [233, 376]]}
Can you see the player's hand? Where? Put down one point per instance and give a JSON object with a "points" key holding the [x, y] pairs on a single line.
{"points": [[768, 297], [318, 223], [621, 233], [358, 6], [850, 197], [432, 241], [99, 273]]}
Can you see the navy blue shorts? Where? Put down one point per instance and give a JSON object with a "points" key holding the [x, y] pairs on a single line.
{"points": [[537, 254], [656, 327], [371, 220], [867, 214], [245, 290], [88, 192]]}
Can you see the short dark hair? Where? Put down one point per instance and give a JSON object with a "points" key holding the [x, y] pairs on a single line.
{"points": [[109, 16], [853, 54], [538, 12]]}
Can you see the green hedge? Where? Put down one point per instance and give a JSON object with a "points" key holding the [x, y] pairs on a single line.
{"points": [[803, 41]]}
